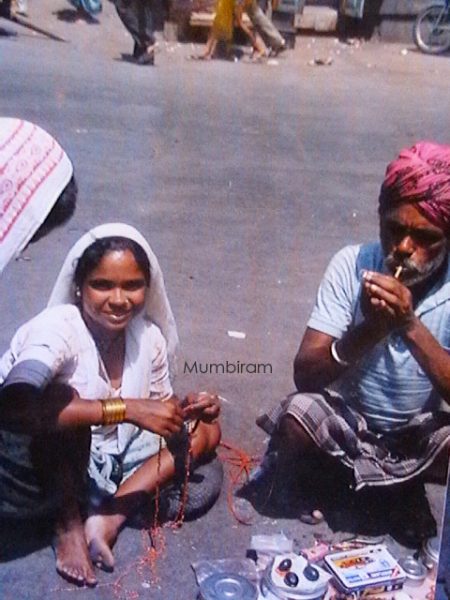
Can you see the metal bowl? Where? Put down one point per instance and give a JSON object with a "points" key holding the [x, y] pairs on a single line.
{"points": [[227, 586], [414, 569]]}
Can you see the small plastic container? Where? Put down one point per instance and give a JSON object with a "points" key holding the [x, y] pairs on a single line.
{"points": [[290, 576]]}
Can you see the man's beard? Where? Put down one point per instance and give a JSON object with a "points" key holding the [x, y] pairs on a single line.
{"points": [[411, 273]]}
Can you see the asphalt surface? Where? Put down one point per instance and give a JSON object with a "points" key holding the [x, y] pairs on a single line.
{"points": [[245, 179]]}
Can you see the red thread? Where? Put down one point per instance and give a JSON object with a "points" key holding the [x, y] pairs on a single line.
{"points": [[239, 464]]}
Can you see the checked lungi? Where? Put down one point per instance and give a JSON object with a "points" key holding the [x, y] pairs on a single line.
{"points": [[375, 458]]}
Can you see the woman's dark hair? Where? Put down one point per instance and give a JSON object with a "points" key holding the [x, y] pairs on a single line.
{"points": [[91, 257], [61, 212]]}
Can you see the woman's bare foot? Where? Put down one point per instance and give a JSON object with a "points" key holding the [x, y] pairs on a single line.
{"points": [[72, 555], [101, 532]]}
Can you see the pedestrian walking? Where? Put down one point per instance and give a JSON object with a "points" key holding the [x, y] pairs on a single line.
{"points": [[86, 9], [227, 12], [264, 26], [138, 17]]}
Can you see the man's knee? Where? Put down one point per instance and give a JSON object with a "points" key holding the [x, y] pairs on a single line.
{"points": [[292, 434]]}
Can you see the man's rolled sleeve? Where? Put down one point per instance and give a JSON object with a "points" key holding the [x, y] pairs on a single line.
{"points": [[334, 307]]}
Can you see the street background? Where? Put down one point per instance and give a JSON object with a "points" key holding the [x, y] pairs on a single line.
{"points": [[245, 179]]}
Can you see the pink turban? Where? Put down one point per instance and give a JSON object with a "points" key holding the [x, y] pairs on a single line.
{"points": [[420, 174]]}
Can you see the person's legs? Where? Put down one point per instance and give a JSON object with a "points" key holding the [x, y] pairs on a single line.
{"points": [[210, 48], [304, 475], [103, 527], [61, 460], [137, 17], [264, 25], [146, 31], [297, 462], [293, 443], [256, 40]]}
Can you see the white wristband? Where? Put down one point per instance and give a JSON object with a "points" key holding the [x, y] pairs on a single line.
{"points": [[336, 357]]}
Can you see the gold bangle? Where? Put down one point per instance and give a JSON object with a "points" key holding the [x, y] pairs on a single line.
{"points": [[113, 411]]}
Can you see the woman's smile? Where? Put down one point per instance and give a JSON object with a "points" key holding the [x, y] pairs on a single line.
{"points": [[119, 317]]}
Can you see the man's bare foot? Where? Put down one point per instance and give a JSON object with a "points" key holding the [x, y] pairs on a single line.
{"points": [[72, 555], [101, 533]]}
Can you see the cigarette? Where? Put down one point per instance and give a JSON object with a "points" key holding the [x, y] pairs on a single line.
{"points": [[398, 272]]}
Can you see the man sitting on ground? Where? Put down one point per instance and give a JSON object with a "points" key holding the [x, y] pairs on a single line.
{"points": [[373, 368]]}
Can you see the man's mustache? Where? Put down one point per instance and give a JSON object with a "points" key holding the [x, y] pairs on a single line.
{"points": [[411, 272], [407, 265]]}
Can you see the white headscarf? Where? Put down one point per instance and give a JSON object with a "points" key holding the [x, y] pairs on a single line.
{"points": [[157, 307], [34, 170]]}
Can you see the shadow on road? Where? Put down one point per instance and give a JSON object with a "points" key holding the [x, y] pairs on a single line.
{"points": [[70, 15]]}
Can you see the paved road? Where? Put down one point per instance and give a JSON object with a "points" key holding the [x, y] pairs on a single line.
{"points": [[245, 179]]}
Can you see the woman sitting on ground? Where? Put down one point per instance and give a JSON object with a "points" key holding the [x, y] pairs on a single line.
{"points": [[103, 345]]}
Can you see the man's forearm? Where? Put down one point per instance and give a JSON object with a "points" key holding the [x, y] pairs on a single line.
{"points": [[315, 367]]}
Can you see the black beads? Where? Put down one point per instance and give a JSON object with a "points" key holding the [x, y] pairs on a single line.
{"points": [[285, 565], [291, 579], [310, 573]]}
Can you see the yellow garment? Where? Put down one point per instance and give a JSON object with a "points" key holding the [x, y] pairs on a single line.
{"points": [[222, 26]]}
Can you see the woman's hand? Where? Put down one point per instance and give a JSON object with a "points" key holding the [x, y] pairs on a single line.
{"points": [[203, 406], [162, 417]]}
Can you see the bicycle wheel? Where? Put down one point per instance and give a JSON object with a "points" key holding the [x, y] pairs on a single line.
{"points": [[432, 29]]}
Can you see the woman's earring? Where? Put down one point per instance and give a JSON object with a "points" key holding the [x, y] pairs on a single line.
{"points": [[78, 293]]}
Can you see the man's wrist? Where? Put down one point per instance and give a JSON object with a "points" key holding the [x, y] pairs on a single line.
{"points": [[409, 326]]}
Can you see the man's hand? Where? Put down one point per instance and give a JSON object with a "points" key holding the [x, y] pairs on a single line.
{"points": [[387, 300], [203, 406], [162, 417]]}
